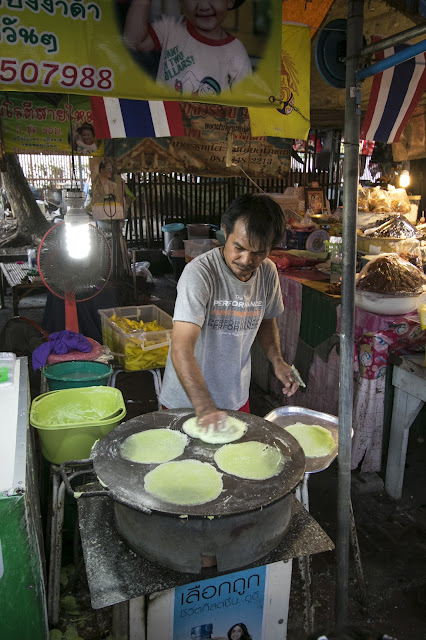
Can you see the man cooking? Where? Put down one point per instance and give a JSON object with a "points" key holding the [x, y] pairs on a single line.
{"points": [[225, 298]]}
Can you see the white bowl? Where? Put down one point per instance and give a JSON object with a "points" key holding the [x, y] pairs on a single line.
{"points": [[386, 305]]}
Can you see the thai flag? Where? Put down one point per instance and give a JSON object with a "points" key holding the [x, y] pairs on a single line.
{"points": [[122, 118], [394, 96]]}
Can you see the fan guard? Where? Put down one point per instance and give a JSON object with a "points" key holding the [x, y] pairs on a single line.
{"points": [[71, 279], [63, 275]]}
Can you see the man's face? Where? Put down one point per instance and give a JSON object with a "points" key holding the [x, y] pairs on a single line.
{"points": [[240, 256], [206, 15]]}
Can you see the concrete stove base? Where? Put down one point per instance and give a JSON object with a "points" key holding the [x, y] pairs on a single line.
{"points": [[116, 574]]}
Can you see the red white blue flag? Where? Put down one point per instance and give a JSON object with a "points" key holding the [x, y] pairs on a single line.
{"points": [[394, 95], [122, 118]]}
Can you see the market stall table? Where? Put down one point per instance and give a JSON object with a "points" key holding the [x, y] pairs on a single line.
{"points": [[308, 331], [408, 379], [15, 275]]}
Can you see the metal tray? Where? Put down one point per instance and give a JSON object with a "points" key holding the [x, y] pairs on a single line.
{"points": [[286, 416]]}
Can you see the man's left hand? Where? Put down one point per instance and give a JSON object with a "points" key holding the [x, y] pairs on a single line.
{"points": [[283, 373]]}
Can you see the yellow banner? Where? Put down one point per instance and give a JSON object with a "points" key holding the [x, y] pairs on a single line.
{"points": [[136, 49], [31, 123], [291, 120]]}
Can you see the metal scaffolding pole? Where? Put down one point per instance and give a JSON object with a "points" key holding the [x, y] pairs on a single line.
{"points": [[398, 38], [350, 207]]}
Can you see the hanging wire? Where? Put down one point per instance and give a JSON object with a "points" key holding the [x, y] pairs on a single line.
{"points": [[110, 205], [235, 164], [74, 183]]}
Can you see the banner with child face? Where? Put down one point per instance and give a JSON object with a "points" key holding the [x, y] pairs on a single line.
{"points": [[211, 51], [32, 123]]}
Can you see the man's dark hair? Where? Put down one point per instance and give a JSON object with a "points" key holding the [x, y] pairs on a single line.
{"points": [[263, 217]]}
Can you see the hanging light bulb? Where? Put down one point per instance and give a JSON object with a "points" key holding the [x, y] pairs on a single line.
{"points": [[404, 179], [77, 237]]}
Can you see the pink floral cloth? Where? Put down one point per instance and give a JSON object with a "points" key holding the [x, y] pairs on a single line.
{"points": [[377, 336]]}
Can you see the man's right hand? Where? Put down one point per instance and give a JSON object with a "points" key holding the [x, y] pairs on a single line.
{"points": [[212, 419]]}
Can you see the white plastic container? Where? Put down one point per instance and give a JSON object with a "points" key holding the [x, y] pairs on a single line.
{"points": [[386, 305], [7, 369]]}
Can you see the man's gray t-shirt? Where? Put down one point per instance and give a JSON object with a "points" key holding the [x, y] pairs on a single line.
{"points": [[229, 313]]}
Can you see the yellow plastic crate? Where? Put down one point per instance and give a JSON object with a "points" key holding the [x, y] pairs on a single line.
{"points": [[137, 348]]}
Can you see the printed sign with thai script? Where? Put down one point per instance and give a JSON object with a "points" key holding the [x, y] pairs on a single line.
{"points": [[163, 50], [261, 157], [252, 603], [217, 143], [220, 605], [31, 123]]}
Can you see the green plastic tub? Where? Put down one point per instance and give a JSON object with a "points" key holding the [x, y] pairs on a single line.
{"points": [[69, 421], [76, 373]]}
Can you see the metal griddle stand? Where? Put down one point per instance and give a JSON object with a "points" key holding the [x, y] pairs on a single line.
{"points": [[136, 587], [284, 416], [302, 495]]}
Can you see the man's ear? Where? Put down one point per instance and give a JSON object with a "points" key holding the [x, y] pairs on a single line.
{"points": [[225, 232]]}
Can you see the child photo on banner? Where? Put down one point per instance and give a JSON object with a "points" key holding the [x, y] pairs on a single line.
{"points": [[84, 139], [227, 52], [197, 56]]}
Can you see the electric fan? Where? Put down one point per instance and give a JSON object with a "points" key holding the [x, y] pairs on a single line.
{"points": [[74, 275]]}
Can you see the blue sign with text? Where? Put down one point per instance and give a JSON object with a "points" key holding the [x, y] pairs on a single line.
{"points": [[209, 609]]}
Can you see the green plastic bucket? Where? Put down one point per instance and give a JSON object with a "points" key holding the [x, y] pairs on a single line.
{"points": [[76, 373], [69, 421]]}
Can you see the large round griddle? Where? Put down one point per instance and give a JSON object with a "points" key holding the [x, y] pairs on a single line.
{"points": [[125, 479]]}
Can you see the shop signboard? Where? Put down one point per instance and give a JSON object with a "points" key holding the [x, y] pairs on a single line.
{"points": [[31, 123], [217, 143], [249, 603], [255, 158]]}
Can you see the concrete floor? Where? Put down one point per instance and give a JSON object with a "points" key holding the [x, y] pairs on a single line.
{"points": [[392, 535]]}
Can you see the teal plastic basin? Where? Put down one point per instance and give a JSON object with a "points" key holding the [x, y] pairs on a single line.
{"points": [[76, 373]]}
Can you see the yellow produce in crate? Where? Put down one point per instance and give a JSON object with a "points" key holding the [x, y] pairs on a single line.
{"points": [[135, 358], [126, 325], [139, 336]]}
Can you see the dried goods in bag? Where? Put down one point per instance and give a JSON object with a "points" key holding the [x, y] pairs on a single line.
{"points": [[390, 274]]}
